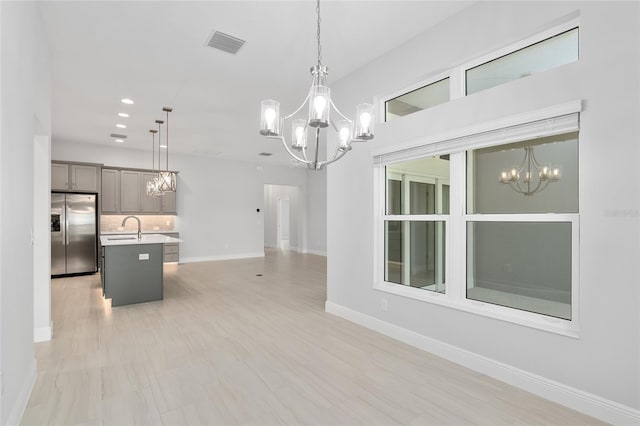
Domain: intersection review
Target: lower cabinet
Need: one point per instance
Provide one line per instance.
(171, 251)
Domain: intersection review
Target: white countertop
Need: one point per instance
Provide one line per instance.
(122, 240)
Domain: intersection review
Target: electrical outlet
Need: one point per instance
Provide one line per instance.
(507, 267)
(384, 304)
(143, 256)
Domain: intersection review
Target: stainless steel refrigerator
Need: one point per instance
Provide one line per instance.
(73, 234)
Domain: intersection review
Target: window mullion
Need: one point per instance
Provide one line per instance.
(455, 234)
(457, 83)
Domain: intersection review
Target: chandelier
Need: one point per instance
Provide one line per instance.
(318, 117)
(531, 176)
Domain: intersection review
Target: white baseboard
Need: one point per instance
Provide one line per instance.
(16, 412)
(590, 404)
(316, 252)
(309, 251)
(42, 334)
(221, 257)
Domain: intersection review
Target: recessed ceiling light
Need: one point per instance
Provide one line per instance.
(119, 140)
(123, 115)
(163, 146)
(121, 126)
(126, 101)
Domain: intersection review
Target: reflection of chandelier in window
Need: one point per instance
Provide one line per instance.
(531, 176)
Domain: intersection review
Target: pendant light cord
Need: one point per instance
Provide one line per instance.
(159, 143)
(167, 141)
(318, 35)
(153, 152)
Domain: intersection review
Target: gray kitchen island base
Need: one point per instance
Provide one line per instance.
(132, 273)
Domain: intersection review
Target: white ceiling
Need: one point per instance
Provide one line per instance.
(154, 53)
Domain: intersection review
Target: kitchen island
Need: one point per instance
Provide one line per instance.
(132, 270)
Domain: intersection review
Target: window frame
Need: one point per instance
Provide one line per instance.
(457, 74)
(456, 145)
(424, 82)
(516, 47)
(406, 219)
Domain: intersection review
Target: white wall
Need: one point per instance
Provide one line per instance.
(217, 198)
(604, 361)
(26, 112)
(272, 193)
(42, 237)
(317, 211)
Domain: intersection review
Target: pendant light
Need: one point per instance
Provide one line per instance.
(153, 189)
(167, 179)
(320, 106)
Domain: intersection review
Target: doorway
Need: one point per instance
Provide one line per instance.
(282, 224)
(282, 217)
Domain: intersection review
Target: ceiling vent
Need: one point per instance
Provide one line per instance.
(115, 135)
(266, 154)
(225, 42)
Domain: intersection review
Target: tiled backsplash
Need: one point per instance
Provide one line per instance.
(113, 223)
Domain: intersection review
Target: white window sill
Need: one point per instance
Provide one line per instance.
(502, 313)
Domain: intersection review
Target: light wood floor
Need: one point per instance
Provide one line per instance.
(229, 347)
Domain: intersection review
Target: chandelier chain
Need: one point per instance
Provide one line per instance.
(318, 34)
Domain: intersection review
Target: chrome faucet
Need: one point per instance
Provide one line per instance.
(139, 227)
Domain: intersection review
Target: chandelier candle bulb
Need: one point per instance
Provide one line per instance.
(364, 124)
(270, 118)
(299, 134)
(344, 135)
(319, 108)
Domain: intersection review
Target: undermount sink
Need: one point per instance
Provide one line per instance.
(122, 238)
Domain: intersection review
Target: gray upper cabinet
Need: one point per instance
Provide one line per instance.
(130, 190)
(75, 177)
(149, 204)
(169, 203)
(110, 191)
(124, 191)
(59, 176)
(84, 178)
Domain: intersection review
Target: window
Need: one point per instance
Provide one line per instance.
(417, 208)
(549, 49)
(542, 56)
(517, 254)
(417, 100)
(486, 222)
